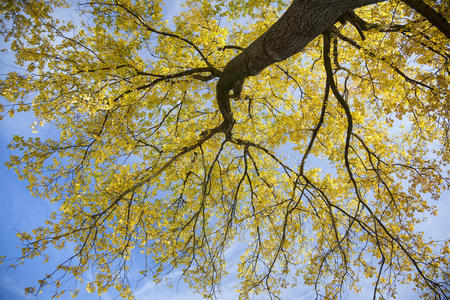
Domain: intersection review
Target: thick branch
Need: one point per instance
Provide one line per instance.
(431, 15)
(303, 21)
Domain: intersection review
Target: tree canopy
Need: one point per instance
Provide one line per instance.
(314, 133)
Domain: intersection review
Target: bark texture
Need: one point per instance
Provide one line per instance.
(303, 21)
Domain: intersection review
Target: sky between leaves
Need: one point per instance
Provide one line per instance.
(21, 212)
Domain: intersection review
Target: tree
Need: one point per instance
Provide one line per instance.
(171, 140)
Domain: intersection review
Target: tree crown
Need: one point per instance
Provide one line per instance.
(180, 139)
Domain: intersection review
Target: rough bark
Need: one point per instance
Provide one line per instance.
(303, 21)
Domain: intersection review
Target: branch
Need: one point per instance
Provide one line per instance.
(364, 25)
(431, 15)
(140, 19)
(302, 22)
(381, 58)
(203, 138)
(435, 287)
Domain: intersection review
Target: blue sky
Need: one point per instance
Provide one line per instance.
(21, 212)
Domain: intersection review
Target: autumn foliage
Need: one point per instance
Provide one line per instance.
(177, 140)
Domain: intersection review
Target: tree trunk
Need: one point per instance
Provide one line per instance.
(303, 21)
